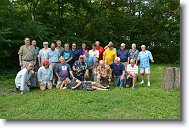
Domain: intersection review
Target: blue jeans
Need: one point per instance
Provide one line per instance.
(118, 81)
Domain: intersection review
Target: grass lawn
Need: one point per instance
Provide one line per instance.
(142, 103)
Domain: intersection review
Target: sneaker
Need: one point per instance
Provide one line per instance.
(133, 87)
(142, 82)
(127, 85)
(107, 87)
(148, 83)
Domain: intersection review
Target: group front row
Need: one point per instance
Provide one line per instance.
(79, 78)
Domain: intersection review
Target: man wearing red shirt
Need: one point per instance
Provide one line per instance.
(100, 49)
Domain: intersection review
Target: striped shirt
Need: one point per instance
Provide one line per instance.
(133, 69)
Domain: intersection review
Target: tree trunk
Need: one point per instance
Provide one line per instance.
(171, 78)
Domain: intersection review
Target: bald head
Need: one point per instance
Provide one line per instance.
(62, 60)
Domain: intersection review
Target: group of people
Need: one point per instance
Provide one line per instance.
(82, 68)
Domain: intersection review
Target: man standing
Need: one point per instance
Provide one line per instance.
(67, 54)
(119, 72)
(37, 49)
(144, 56)
(42, 56)
(100, 49)
(133, 53)
(75, 54)
(109, 54)
(82, 50)
(24, 78)
(59, 46)
(27, 54)
(53, 56)
(94, 52)
(63, 71)
(45, 76)
(123, 54)
(90, 60)
(132, 73)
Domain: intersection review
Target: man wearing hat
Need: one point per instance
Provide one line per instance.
(45, 76)
(43, 53)
(109, 54)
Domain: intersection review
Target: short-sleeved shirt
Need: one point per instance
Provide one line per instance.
(63, 70)
(75, 54)
(90, 60)
(66, 54)
(28, 54)
(145, 58)
(80, 69)
(123, 54)
(95, 53)
(117, 69)
(133, 54)
(81, 51)
(45, 75)
(101, 50)
(43, 54)
(109, 55)
(106, 70)
(53, 56)
(133, 69)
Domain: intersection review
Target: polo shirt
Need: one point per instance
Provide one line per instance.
(123, 54)
(117, 69)
(27, 54)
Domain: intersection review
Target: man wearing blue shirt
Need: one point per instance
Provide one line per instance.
(75, 53)
(67, 54)
(123, 54)
(119, 72)
(90, 60)
(145, 56)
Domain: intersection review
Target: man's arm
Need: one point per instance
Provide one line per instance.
(69, 59)
(20, 59)
(77, 85)
(71, 73)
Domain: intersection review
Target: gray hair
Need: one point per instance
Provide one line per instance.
(132, 60)
(101, 62)
(117, 58)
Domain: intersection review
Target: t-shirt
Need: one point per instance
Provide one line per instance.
(28, 54)
(123, 54)
(133, 69)
(81, 51)
(53, 56)
(109, 55)
(63, 70)
(101, 50)
(95, 53)
(73, 83)
(75, 54)
(145, 58)
(43, 54)
(80, 69)
(133, 54)
(117, 69)
(66, 54)
(90, 60)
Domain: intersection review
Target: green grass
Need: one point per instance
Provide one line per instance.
(142, 103)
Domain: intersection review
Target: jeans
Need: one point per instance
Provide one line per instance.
(118, 81)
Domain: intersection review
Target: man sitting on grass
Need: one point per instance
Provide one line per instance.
(132, 73)
(62, 71)
(24, 78)
(84, 85)
(45, 75)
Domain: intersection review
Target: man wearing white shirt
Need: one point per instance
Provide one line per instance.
(94, 52)
(132, 73)
(43, 53)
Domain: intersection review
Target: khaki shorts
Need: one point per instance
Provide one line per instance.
(43, 86)
(25, 63)
(125, 65)
(58, 85)
(145, 70)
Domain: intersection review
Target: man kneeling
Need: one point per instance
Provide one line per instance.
(84, 85)
(45, 76)
(132, 73)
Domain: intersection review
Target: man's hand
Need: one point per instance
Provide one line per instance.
(109, 80)
(152, 61)
(122, 77)
(73, 88)
(59, 78)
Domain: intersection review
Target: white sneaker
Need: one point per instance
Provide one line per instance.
(148, 83)
(142, 82)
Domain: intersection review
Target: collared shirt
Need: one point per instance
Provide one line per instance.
(123, 54)
(101, 50)
(22, 79)
(133, 69)
(117, 69)
(81, 51)
(90, 60)
(66, 54)
(37, 49)
(109, 55)
(95, 53)
(43, 54)
(106, 70)
(80, 68)
(133, 54)
(45, 75)
(27, 54)
(53, 56)
(145, 58)
(63, 70)
(75, 54)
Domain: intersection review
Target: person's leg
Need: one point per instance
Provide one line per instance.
(64, 88)
(121, 84)
(128, 81)
(142, 75)
(134, 79)
(147, 71)
(42, 86)
(95, 84)
(116, 80)
(96, 88)
(49, 85)
(53, 65)
(59, 82)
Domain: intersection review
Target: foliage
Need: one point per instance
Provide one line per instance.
(142, 103)
(155, 23)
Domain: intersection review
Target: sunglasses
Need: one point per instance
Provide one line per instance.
(81, 58)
